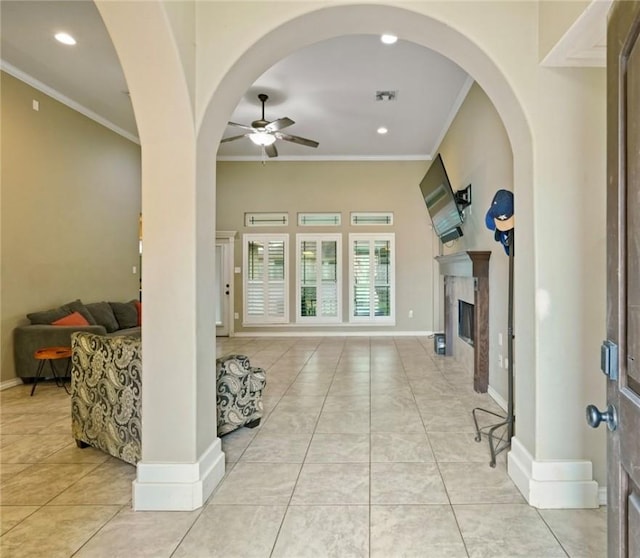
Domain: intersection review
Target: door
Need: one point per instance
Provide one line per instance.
(223, 287)
(623, 281)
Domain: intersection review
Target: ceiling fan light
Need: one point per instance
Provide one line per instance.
(262, 138)
(388, 39)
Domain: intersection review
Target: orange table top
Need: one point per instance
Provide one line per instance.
(52, 353)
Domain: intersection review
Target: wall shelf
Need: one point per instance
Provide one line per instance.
(474, 265)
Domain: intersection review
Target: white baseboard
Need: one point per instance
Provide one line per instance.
(602, 496)
(298, 333)
(552, 484)
(10, 383)
(178, 486)
(497, 398)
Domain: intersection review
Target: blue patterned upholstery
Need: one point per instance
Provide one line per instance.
(106, 388)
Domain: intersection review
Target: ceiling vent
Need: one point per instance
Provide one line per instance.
(386, 95)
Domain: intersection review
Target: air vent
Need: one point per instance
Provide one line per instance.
(386, 95)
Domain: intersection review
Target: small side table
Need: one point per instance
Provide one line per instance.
(50, 354)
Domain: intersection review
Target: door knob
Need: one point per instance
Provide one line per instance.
(595, 417)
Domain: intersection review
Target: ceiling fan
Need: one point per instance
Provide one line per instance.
(265, 133)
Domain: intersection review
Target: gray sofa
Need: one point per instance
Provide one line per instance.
(104, 318)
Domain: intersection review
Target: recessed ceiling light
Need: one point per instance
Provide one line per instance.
(388, 39)
(65, 38)
(382, 130)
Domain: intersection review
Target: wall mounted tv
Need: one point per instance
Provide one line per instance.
(444, 206)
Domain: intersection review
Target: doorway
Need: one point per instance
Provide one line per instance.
(224, 283)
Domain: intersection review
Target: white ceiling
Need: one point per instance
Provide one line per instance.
(328, 89)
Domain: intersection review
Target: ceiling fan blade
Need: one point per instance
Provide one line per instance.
(297, 139)
(232, 138)
(279, 124)
(242, 126)
(271, 150)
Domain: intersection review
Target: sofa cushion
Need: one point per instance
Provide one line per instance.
(103, 315)
(80, 308)
(125, 313)
(47, 317)
(73, 319)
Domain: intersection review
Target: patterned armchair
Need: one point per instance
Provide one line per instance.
(106, 387)
(239, 393)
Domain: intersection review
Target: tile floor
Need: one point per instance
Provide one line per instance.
(366, 450)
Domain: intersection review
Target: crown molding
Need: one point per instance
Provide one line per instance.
(464, 91)
(283, 158)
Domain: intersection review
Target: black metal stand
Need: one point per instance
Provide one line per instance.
(500, 433)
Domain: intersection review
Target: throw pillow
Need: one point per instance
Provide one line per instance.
(125, 313)
(73, 319)
(103, 315)
(80, 308)
(48, 316)
(138, 306)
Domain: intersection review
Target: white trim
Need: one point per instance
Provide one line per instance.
(602, 496)
(284, 158)
(584, 43)
(497, 398)
(225, 235)
(54, 94)
(333, 333)
(464, 91)
(13, 382)
(371, 218)
(178, 486)
(561, 484)
(372, 238)
(265, 318)
(319, 238)
(266, 219)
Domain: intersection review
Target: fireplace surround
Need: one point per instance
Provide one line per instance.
(474, 265)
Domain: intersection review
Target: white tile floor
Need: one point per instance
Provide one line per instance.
(366, 449)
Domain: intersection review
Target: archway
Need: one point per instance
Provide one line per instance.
(421, 29)
(182, 461)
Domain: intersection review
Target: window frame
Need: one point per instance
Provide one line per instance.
(319, 237)
(372, 319)
(266, 318)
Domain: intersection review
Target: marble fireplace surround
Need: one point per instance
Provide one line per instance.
(473, 265)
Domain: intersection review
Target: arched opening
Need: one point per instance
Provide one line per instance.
(420, 29)
(188, 422)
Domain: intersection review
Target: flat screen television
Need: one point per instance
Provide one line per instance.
(441, 202)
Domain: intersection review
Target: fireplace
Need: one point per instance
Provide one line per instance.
(466, 318)
(473, 265)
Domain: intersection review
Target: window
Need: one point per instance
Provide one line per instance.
(319, 265)
(371, 218)
(266, 219)
(319, 219)
(266, 269)
(372, 278)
